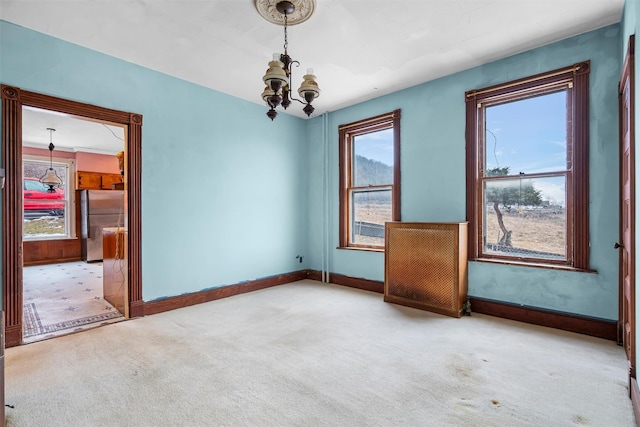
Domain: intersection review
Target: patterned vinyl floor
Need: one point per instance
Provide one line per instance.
(64, 298)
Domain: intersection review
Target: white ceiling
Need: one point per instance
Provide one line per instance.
(71, 133)
(359, 49)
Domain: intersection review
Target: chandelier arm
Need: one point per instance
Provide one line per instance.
(291, 91)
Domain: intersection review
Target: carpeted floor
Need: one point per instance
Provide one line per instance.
(63, 298)
(312, 354)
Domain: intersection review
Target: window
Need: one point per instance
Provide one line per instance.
(369, 180)
(46, 214)
(527, 170)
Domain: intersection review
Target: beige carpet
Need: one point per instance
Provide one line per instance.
(310, 354)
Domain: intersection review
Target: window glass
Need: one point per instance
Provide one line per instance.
(528, 135)
(371, 209)
(373, 158)
(526, 218)
(45, 212)
(528, 170)
(369, 180)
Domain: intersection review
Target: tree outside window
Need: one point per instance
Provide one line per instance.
(527, 160)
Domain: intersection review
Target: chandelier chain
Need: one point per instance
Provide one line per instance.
(286, 40)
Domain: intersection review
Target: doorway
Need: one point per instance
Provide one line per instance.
(63, 282)
(626, 245)
(13, 101)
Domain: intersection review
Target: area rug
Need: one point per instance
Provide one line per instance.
(34, 327)
(63, 298)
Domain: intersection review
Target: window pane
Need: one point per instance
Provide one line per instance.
(526, 218)
(45, 212)
(528, 136)
(373, 158)
(370, 210)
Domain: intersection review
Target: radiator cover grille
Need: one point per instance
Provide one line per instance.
(426, 266)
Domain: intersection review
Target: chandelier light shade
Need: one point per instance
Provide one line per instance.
(50, 177)
(277, 79)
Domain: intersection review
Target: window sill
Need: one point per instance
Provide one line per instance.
(533, 264)
(358, 248)
(41, 238)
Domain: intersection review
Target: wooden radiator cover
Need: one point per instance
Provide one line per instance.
(426, 266)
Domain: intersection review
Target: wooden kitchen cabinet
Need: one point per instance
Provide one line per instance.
(86, 180)
(109, 180)
(114, 268)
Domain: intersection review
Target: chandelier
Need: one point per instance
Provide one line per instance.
(278, 76)
(50, 177)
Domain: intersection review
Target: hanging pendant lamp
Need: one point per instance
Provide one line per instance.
(51, 178)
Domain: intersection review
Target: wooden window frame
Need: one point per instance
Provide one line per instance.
(346, 133)
(575, 79)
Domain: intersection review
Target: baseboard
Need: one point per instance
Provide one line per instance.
(567, 322)
(51, 261)
(136, 309)
(635, 398)
(352, 282)
(12, 335)
(179, 301)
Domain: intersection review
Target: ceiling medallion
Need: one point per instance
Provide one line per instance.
(303, 11)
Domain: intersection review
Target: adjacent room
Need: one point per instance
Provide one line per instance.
(66, 287)
(405, 195)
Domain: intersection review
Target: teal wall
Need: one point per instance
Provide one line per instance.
(222, 196)
(266, 192)
(433, 176)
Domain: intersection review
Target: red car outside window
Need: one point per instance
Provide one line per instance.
(38, 199)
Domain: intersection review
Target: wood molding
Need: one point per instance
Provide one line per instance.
(567, 322)
(634, 393)
(12, 213)
(179, 301)
(13, 99)
(133, 188)
(12, 335)
(352, 282)
(37, 252)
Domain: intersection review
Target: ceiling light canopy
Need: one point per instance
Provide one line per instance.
(278, 76)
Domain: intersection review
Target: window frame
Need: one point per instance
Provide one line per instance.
(575, 80)
(347, 133)
(69, 196)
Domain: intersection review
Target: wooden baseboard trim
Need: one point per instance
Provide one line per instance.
(12, 335)
(566, 322)
(51, 261)
(136, 309)
(179, 301)
(352, 282)
(634, 391)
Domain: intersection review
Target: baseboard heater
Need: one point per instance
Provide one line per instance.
(426, 266)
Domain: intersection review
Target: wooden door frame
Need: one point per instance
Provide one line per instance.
(13, 99)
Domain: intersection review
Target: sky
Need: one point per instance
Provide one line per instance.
(376, 146)
(527, 136)
(530, 136)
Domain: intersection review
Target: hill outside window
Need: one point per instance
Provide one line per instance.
(527, 170)
(369, 180)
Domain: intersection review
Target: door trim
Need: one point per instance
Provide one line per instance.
(13, 99)
(627, 77)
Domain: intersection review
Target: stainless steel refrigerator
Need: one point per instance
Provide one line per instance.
(99, 209)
